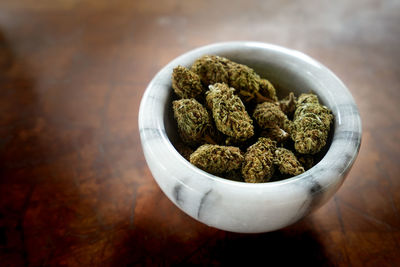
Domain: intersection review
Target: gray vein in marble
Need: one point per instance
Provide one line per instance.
(202, 203)
(314, 196)
(314, 188)
(176, 194)
(342, 168)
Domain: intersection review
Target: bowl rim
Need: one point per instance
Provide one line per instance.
(153, 126)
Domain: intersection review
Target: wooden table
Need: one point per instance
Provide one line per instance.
(75, 189)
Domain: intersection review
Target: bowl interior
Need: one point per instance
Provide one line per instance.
(284, 79)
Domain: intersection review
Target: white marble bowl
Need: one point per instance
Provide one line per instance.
(242, 207)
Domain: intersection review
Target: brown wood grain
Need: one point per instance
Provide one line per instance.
(75, 189)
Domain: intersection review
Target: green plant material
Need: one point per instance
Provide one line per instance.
(193, 120)
(307, 98)
(269, 115)
(249, 85)
(229, 113)
(322, 112)
(288, 104)
(287, 162)
(268, 90)
(186, 84)
(275, 134)
(217, 159)
(258, 162)
(233, 88)
(311, 125)
(212, 69)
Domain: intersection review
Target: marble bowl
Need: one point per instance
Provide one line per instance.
(237, 206)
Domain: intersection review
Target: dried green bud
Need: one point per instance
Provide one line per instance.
(186, 83)
(244, 80)
(310, 134)
(212, 69)
(287, 162)
(311, 125)
(275, 134)
(249, 85)
(268, 90)
(288, 104)
(229, 113)
(258, 164)
(193, 120)
(269, 115)
(307, 98)
(217, 159)
(323, 113)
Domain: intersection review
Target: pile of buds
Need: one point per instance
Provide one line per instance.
(232, 124)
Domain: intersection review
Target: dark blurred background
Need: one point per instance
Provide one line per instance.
(74, 186)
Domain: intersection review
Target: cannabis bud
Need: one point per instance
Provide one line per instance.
(217, 159)
(212, 122)
(229, 113)
(311, 124)
(212, 69)
(307, 98)
(249, 85)
(186, 83)
(287, 162)
(275, 134)
(258, 162)
(270, 117)
(266, 89)
(288, 104)
(193, 120)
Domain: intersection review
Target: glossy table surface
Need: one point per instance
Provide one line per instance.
(75, 189)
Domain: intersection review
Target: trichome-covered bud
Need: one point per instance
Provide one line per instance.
(311, 125)
(287, 162)
(275, 134)
(307, 98)
(267, 90)
(249, 85)
(186, 84)
(323, 113)
(229, 113)
(269, 115)
(211, 69)
(217, 159)
(288, 104)
(193, 121)
(258, 162)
